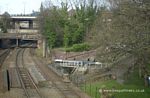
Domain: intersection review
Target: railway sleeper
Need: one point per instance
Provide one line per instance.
(26, 80)
(28, 84)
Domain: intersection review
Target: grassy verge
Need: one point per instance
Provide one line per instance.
(132, 88)
(39, 52)
(78, 48)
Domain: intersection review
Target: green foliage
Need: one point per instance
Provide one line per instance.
(5, 22)
(78, 48)
(52, 39)
(69, 29)
(49, 33)
(78, 34)
(2, 27)
(93, 89)
(66, 36)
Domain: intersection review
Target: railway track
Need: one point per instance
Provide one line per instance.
(64, 88)
(3, 80)
(3, 56)
(27, 83)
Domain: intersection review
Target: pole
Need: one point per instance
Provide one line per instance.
(44, 47)
(24, 9)
(90, 90)
(17, 42)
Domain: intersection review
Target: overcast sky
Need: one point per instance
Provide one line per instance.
(25, 6)
(19, 6)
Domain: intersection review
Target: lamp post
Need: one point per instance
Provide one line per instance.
(17, 40)
(24, 9)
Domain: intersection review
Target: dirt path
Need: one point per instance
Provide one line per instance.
(57, 54)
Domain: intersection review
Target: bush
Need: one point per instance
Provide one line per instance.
(79, 48)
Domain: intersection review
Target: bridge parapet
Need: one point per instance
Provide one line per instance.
(24, 36)
(23, 31)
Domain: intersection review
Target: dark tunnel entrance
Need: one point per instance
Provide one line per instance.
(12, 43)
(28, 43)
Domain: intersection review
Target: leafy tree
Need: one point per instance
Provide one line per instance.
(66, 36)
(124, 30)
(78, 34)
(52, 39)
(5, 22)
(70, 27)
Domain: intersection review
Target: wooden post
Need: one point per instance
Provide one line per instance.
(146, 80)
(44, 48)
(140, 71)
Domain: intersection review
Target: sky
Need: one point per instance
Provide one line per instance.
(25, 6)
(20, 6)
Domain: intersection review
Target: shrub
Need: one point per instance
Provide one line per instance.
(78, 48)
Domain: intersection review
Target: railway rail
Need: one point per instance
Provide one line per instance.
(3, 56)
(64, 88)
(27, 83)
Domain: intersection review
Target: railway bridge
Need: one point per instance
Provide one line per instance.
(73, 66)
(23, 33)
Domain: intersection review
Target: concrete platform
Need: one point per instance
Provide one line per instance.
(14, 79)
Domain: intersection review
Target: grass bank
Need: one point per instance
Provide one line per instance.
(132, 88)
